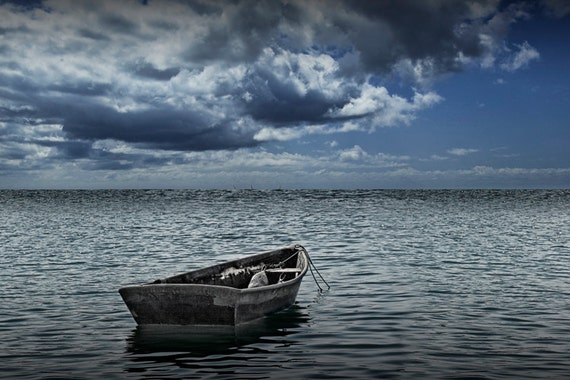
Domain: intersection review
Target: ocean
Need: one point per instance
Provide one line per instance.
(447, 284)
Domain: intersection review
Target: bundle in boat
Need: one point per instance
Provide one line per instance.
(230, 293)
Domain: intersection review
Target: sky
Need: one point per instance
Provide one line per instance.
(285, 94)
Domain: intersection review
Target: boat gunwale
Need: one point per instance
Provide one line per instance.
(297, 278)
(224, 287)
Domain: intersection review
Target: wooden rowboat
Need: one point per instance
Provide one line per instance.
(230, 293)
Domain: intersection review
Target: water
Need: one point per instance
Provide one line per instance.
(424, 284)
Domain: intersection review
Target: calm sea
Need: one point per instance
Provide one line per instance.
(424, 284)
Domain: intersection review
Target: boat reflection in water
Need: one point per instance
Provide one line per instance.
(244, 350)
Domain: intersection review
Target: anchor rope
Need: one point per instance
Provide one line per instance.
(287, 259)
(311, 266)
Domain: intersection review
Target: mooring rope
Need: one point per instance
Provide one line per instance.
(281, 263)
(311, 266)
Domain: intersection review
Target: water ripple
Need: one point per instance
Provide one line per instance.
(425, 284)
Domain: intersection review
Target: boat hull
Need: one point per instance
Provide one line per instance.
(183, 303)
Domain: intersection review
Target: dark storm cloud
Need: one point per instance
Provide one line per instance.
(147, 70)
(81, 88)
(93, 35)
(207, 75)
(118, 24)
(277, 107)
(242, 30)
(23, 5)
(164, 128)
(412, 29)
(275, 100)
(382, 32)
(69, 149)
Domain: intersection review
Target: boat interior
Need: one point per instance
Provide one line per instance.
(274, 268)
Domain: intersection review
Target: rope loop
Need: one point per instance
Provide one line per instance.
(312, 266)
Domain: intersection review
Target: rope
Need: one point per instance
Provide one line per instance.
(281, 263)
(311, 266)
(315, 279)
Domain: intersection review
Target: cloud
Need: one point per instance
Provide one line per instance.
(386, 109)
(461, 151)
(357, 157)
(286, 87)
(285, 134)
(243, 168)
(521, 58)
(557, 8)
(495, 49)
(201, 75)
(434, 157)
(356, 153)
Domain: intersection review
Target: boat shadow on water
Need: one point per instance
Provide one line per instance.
(153, 346)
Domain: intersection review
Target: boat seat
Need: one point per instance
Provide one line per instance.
(284, 270)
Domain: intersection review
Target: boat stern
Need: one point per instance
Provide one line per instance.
(180, 304)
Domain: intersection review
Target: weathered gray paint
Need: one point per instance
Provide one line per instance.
(218, 295)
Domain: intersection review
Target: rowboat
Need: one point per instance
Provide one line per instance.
(230, 293)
